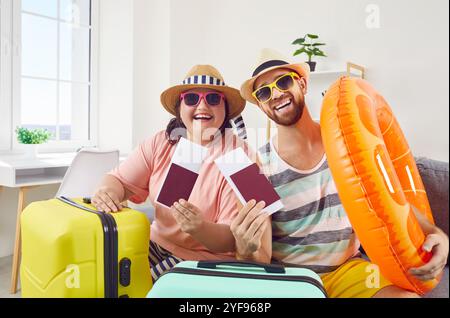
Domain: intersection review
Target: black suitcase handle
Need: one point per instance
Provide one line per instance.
(269, 268)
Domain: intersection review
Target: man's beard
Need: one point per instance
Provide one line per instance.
(292, 117)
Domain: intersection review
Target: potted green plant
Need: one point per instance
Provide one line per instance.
(31, 138)
(310, 48)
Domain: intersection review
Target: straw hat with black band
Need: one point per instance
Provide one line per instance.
(204, 76)
(270, 60)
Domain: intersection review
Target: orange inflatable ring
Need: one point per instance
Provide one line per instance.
(377, 179)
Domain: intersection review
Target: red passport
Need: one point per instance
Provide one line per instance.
(247, 181)
(178, 185)
(254, 185)
(182, 173)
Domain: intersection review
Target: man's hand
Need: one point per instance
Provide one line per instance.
(248, 228)
(187, 216)
(437, 243)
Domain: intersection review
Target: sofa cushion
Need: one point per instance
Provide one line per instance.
(441, 290)
(435, 179)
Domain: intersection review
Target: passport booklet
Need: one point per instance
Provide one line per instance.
(245, 179)
(182, 174)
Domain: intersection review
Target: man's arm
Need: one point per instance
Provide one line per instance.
(427, 226)
(252, 231)
(436, 242)
(264, 253)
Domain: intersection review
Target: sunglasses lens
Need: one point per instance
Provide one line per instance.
(285, 82)
(213, 99)
(263, 94)
(191, 99)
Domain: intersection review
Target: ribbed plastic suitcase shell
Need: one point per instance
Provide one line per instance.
(63, 252)
(187, 280)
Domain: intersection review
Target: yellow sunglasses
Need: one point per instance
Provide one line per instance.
(283, 84)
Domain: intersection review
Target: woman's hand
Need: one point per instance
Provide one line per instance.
(248, 228)
(188, 216)
(106, 200)
(437, 243)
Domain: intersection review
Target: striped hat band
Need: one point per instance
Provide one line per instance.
(204, 80)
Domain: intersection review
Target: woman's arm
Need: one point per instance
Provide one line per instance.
(216, 237)
(129, 179)
(225, 241)
(248, 240)
(110, 195)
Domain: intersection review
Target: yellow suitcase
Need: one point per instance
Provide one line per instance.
(70, 250)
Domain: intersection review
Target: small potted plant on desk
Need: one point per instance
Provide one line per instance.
(31, 138)
(309, 48)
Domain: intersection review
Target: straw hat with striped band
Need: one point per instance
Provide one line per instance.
(204, 76)
(269, 60)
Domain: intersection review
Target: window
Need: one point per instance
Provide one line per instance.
(53, 70)
(5, 74)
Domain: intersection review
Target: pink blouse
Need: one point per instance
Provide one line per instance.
(143, 173)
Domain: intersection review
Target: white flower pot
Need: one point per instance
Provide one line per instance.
(31, 151)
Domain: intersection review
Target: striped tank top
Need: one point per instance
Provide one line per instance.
(312, 230)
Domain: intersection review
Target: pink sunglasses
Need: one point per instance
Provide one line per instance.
(193, 99)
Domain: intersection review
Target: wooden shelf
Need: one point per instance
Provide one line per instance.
(28, 181)
(17, 171)
(328, 72)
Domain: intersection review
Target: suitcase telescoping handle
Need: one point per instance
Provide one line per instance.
(269, 268)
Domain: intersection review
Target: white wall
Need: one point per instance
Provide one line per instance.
(151, 66)
(406, 58)
(134, 70)
(148, 45)
(116, 69)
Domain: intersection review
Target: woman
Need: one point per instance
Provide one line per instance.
(198, 229)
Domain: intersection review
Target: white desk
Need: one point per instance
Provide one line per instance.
(22, 173)
(16, 171)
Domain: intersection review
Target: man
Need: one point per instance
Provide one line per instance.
(312, 230)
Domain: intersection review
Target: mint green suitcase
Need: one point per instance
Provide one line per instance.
(237, 279)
